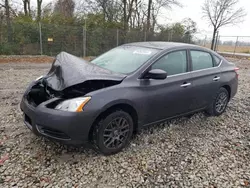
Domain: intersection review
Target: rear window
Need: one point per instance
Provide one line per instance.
(201, 60)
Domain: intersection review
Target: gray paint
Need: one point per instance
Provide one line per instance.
(153, 100)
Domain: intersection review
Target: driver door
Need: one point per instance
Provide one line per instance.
(172, 96)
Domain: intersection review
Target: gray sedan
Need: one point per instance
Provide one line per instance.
(105, 101)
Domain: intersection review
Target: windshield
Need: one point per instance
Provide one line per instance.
(124, 59)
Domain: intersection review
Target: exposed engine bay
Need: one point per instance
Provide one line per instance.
(71, 77)
(40, 92)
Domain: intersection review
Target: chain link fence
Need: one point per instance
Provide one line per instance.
(233, 44)
(51, 39)
(202, 40)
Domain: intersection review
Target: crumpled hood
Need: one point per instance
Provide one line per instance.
(68, 70)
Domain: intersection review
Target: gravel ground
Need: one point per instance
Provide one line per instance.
(187, 152)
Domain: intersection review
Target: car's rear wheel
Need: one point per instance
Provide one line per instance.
(219, 103)
(112, 133)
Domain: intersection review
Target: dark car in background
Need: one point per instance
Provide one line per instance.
(105, 101)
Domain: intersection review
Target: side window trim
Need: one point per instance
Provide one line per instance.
(215, 65)
(189, 62)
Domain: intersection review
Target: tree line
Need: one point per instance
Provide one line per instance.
(133, 19)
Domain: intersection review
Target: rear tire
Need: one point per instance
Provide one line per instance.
(112, 133)
(219, 103)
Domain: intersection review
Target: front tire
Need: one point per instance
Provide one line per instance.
(219, 103)
(112, 133)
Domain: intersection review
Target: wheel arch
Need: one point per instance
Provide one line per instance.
(228, 88)
(126, 107)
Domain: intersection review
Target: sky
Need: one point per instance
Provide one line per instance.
(192, 9)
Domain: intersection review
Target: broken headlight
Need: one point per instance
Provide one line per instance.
(73, 105)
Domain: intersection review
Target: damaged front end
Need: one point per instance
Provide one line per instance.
(70, 77)
(41, 92)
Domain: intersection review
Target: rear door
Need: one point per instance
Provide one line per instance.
(206, 77)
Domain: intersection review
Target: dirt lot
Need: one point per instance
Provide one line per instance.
(187, 152)
(228, 48)
(239, 49)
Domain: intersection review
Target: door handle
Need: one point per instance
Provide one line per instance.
(186, 85)
(216, 78)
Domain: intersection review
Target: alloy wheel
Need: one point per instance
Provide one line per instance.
(221, 102)
(116, 133)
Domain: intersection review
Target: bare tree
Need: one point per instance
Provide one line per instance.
(154, 8)
(149, 14)
(124, 15)
(190, 25)
(39, 9)
(110, 9)
(84, 7)
(26, 7)
(137, 15)
(65, 8)
(127, 7)
(12, 9)
(222, 12)
(7, 13)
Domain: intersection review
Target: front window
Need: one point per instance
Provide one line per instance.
(124, 59)
(173, 63)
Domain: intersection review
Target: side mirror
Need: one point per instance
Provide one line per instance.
(156, 74)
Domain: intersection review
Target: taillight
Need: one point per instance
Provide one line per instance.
(236, 71)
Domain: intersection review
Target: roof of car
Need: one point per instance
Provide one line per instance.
(160, 45)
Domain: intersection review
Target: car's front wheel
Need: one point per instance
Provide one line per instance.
(112, 133)
(219, 103)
